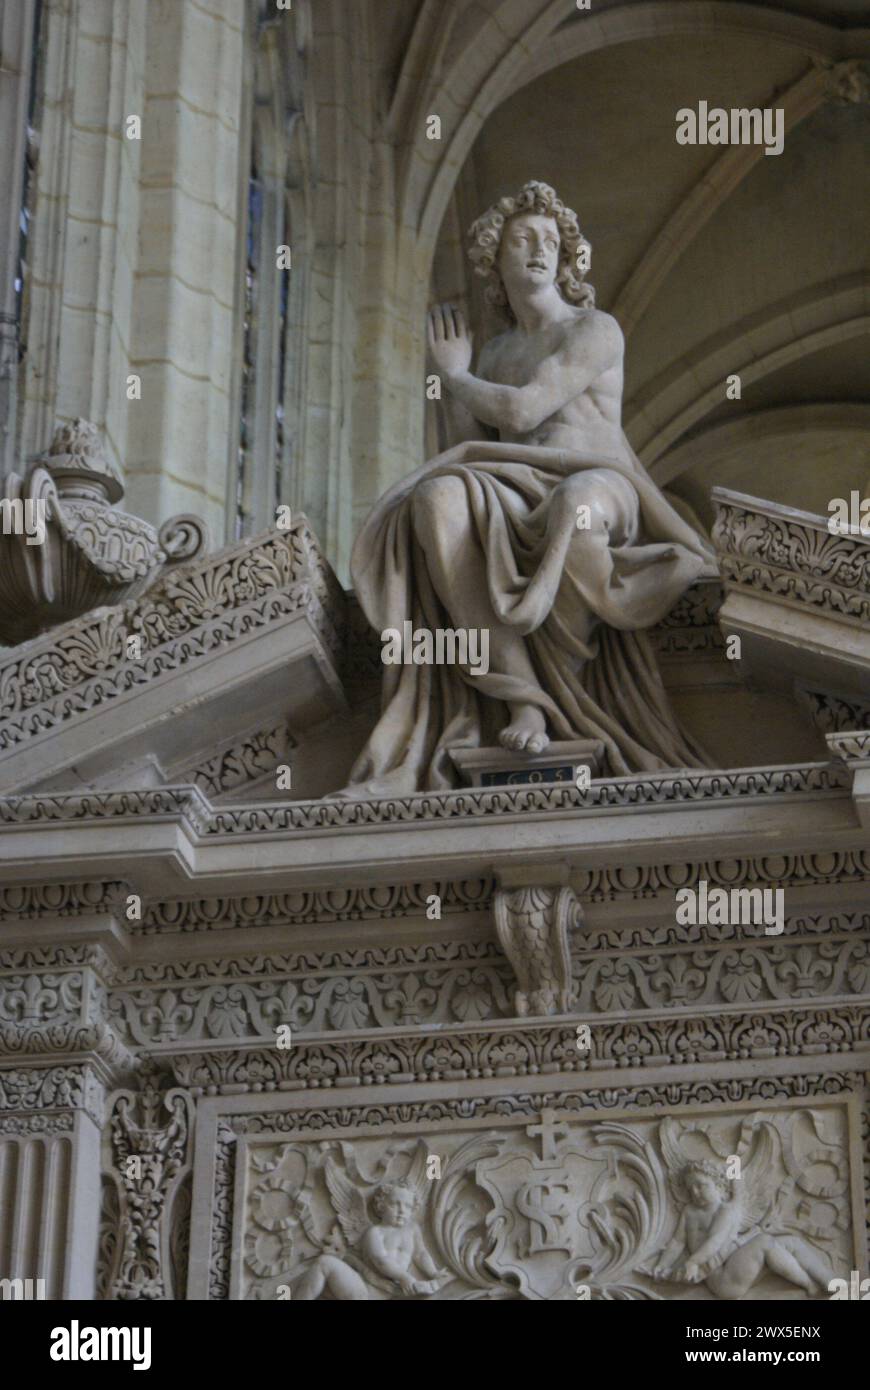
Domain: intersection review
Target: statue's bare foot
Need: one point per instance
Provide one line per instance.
(527, 731)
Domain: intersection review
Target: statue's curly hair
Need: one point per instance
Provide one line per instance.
(485, 238)
(385, 1190)
(710, 1170)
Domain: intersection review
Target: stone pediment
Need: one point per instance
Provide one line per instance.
(204, 678)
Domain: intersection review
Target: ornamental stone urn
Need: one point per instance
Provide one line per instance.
(64, 546)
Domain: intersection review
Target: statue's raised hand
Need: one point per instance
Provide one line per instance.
(449, 340)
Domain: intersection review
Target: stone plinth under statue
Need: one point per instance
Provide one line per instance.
(558, 762)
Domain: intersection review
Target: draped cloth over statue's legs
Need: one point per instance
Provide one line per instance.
(486, 535)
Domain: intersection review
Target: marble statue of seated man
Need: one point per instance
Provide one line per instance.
(539, 527)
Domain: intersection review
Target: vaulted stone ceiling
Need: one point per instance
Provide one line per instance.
(766, 276)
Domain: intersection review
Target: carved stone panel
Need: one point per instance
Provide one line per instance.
(744, 1202)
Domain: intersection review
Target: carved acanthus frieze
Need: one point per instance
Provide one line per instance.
(804, 1028)
(28, 1088)
(652, 965)
(242, 999)
(243, 1010)
(792, 555)
(229, 1000)
(756, 973)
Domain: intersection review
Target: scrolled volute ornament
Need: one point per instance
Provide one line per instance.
(183, 537)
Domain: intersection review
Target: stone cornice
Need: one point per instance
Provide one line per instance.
(309, 817)
(164, 841)
(332, 1116)
(620, 885)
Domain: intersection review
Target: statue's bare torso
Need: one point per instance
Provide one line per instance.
(590, 420)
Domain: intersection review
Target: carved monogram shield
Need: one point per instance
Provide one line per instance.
(540, 1235)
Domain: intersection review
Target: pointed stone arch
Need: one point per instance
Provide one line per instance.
(523, 40)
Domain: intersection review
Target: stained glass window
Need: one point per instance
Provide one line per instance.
(246, 461)
(28, 188)
(283, 319)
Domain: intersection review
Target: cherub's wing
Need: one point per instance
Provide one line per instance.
(760, 1181)
(675, 1159)
(416, 1174)
(348, 1201)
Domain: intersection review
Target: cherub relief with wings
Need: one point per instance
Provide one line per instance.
(729, 1232)
(387, 1253)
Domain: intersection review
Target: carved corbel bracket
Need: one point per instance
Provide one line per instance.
(532, 925)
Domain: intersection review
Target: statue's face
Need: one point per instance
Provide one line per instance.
(528, 256)
(703, 1190)
(397, 1208)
